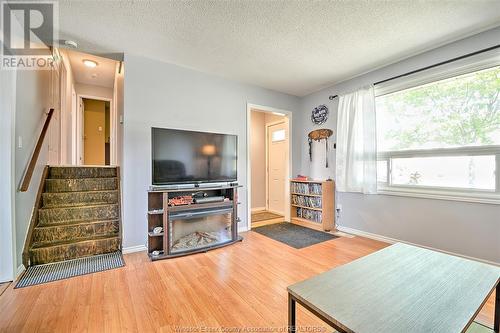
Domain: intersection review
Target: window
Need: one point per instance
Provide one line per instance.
(278, 135)
(441, 138)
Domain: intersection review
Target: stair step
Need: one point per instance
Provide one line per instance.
(65, 215)
(64, 172)
(74, 232)
(72, 250)
(65, 199)
(80, 185)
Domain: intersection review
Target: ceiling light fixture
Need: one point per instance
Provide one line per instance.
(71, 44)
(89, 63)
(278, 113)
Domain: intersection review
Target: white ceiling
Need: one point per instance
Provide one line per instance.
(103, 75)
(296, 47)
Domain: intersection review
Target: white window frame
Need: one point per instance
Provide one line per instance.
(464, 66)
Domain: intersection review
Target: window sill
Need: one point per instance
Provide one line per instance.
(493, 199)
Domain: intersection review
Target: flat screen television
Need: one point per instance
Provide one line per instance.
(185, 157)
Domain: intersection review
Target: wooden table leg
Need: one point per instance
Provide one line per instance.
(496, 326)
(291, 314)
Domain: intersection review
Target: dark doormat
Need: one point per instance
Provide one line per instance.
(65, 269)
(293, 235)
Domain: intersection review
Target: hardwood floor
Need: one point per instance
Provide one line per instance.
(243, 285)
(3, 287)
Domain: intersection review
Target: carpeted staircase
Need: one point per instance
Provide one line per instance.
(79, 214)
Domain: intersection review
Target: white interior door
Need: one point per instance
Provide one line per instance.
(277, 160)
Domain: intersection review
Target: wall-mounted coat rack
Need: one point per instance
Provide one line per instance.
(318, 135)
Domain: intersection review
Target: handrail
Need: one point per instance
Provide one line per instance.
(34, 157)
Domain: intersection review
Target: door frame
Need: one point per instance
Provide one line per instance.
(64, 118)
(78, 130)
(288, 115)
(287, 171)
(74, 134)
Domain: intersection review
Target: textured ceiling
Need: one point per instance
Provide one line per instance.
(103, 75)
(296, 47)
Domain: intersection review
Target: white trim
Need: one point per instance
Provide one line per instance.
(474, 197)
(394, 240)
(63, 114)
(243, 229)
(257, 209)
(113, 125)
(288, 115)
(113, 128)
(133, 249)
(74, 133)
(440, 152)
(20, 270)
(276, 212)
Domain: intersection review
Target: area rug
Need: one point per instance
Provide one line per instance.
(293, 235)
(65, 269)
(264, 215)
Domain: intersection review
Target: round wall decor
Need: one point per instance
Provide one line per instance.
(319, 115)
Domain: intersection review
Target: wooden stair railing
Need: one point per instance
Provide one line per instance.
(34, 157)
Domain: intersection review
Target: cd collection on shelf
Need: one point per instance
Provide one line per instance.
(300, 200)
(306, 188)
(311, 215)
(312, 203)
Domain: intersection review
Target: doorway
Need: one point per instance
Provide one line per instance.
(93, 103)
(269, 164)
(96, 131)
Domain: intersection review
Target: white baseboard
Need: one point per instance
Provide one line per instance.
(20, 270)
(257, 209)
(276, 212)
(132, 249)
(394, 240)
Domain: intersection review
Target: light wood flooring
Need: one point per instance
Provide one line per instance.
(3, 287)
(242, 285)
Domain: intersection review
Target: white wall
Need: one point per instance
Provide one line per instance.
(32, 101)
(24, 99)
(7, 123)
(164, 95)
(94, 91)
(470, 229)
(258, 159)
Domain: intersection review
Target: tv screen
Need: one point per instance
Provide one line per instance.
(181, 157)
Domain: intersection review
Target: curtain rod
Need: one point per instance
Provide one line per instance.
(331, 97)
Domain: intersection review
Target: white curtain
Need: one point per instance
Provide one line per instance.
(356, 157)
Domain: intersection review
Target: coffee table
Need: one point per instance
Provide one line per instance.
(401, 288)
